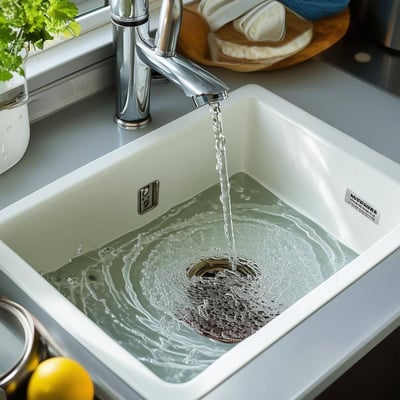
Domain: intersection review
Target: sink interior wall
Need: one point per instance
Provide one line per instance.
(88, 209)
(303, 161)
(97, 203)
(312, 168)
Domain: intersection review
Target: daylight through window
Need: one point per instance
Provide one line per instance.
(86, 6)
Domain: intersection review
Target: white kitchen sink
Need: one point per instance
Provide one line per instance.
(348, 189)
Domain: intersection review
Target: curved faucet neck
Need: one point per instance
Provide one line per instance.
(169, 26)
(136, 53)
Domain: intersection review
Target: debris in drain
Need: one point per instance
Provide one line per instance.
(227, 305)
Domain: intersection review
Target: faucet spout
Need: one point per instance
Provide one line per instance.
(137, 53)
(193, 80)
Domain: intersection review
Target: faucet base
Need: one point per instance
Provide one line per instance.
(132, 125)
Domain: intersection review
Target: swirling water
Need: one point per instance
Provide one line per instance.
(136, 288)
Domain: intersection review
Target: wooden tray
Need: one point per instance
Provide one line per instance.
(193, 42)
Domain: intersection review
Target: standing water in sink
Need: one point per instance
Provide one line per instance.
(163, 294)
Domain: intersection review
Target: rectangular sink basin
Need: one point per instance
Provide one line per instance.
(349, 190)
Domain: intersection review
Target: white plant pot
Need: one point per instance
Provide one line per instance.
(14, 121)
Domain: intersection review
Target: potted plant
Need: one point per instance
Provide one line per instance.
(24, 25)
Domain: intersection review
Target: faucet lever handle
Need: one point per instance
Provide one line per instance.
(169, 26)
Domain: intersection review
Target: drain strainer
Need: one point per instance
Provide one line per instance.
(227, 305)
(209, 267)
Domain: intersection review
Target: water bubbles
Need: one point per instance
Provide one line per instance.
(4, 152)
(239, 189)
(79, 250)
(227, 305)
(73, 282)
(108, 254)
(138, 290)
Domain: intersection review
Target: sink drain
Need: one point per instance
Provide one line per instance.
(227, 305)
(209, 267)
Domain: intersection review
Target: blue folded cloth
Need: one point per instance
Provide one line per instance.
(316, 9)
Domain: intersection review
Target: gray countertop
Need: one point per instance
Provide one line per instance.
(310, 357)
(85, 131)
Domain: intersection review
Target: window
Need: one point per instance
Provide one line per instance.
(56, 75)
(86, 6)
(68, 70)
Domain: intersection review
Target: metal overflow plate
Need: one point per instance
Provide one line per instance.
(148, 197)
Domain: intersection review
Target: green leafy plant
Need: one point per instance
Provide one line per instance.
(27, 24)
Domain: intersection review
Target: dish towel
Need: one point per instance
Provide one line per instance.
(265, 21)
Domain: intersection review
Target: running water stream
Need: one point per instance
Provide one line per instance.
(222, 168)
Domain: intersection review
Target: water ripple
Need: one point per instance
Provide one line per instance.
(137, 288)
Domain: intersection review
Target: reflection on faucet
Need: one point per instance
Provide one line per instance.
(137, 53)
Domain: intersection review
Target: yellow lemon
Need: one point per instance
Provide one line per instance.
(60, 378)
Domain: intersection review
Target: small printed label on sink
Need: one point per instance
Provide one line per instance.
(362, 206)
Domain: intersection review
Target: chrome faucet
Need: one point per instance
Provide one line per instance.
(137, 53)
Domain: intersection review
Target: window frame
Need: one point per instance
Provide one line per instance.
(84, 8)
(62, 57)
(68, 70)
